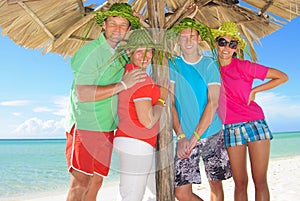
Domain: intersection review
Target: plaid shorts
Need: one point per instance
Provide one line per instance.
(215, 160)
(245, 132)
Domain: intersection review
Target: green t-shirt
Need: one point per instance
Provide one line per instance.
(93, 65)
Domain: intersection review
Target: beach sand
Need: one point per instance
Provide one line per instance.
(283, 179)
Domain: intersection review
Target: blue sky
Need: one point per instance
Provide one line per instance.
(34, 87)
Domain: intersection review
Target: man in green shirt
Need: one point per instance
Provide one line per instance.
(98, 78)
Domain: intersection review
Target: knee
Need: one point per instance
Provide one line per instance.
(97, 181)
(80, 184)
(182, 195)
(80, 181)
(260, 183)
(241, 183)
(216, 186)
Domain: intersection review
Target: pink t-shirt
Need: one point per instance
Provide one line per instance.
(237, 80)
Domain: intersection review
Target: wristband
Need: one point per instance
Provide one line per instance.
(162, 101)
(124, 85)
(197, 135)
(180, 136)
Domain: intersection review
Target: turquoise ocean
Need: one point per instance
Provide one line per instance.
(38, 166)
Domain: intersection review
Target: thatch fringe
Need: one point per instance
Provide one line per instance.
(59, 26)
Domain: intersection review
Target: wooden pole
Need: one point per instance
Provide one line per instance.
(165, 147)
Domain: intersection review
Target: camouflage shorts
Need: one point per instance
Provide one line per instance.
(215, 159)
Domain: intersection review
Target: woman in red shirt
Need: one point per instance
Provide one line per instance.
(139, 110)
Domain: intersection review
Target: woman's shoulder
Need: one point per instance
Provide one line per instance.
(242, 64)
(246, 64)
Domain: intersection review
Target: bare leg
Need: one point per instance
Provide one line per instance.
(185, 193)
(237, 157)
(78, 186)
(259, 152)
(216, 191)
(94, 186)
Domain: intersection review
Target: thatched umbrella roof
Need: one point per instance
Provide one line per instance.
(64, 26)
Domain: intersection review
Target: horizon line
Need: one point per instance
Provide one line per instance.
(59, 138)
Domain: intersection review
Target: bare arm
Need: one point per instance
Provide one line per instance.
(276, 77)
(183, 143)
(88, 93)
(147, 114)
(208, 113)
(175, 119)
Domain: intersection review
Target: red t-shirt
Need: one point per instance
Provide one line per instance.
(129, 125)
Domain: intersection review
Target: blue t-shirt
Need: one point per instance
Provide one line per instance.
(191, 92)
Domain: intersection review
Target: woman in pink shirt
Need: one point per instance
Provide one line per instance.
(244, 120)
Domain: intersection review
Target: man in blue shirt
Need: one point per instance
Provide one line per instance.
(196, 83)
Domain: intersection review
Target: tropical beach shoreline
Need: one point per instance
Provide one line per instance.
(283, 177)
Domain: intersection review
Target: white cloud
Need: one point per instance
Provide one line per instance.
(42, 109)
(276, 105)
(15, 103)
(282, 112)
(38, 128)
(59, 107)
(44, 120)
(17, 113)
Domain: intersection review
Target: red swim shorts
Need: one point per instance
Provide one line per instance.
(89, 152)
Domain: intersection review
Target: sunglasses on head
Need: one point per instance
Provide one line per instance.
(222, 42)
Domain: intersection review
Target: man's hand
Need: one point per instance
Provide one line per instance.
(193, 142)
(133, 77)
(164, 89)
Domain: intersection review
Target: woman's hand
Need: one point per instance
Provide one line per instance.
(251, 96)
(183, 148)
(276, 78)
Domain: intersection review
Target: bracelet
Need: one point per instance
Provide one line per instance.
(180, 136)
(197, 135)
(124, 85)
(162, 101)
